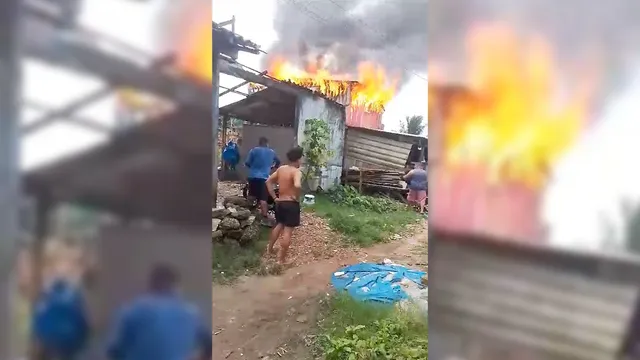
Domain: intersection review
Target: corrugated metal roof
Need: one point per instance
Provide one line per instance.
(372, 150)
(502, 302)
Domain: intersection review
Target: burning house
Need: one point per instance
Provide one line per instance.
(364, 100)
(518, 296)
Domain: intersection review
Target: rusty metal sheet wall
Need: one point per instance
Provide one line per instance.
(525, 310)
(369, 151)
(360, 118)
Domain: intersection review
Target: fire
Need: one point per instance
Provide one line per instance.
(372, 91)
(194, 52)
(511, 123)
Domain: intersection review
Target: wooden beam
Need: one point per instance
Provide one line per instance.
(83, 101)
(228, 90)
(235, 70)
(80, 55)
(233, 88)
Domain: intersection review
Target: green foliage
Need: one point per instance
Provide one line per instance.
(349, 196)
(363, 220)
(231, 261)
(360, 331)
(413, 125)
(317, 135)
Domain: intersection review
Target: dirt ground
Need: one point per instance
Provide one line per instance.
(272, 317)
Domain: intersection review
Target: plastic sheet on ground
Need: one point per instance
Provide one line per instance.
(384, 283)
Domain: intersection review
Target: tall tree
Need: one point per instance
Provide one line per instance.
(413, 125)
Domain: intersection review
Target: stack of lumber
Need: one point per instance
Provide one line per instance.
(369, 178)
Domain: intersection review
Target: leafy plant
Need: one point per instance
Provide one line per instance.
(363, 220)
(316, 147)
(413, 125)
(349, 196)
(362, 331)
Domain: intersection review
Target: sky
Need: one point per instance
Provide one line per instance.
(254, 21)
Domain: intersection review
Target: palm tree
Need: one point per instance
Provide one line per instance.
(413, 125)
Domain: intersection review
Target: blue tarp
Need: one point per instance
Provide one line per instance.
(373, 282)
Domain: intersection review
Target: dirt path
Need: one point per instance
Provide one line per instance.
(260, 316)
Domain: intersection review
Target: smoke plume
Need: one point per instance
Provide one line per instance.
(343, 33)
(578, 29)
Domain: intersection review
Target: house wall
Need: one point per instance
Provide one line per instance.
(281, 139)
(315, 107)
(377, 149)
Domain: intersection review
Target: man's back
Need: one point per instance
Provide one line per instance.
(259, 161)
(287, 178)
(160, 328)
(418, 179)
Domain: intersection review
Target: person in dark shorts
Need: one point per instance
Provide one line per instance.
(289, 181)
(260, 160)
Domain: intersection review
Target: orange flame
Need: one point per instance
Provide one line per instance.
(510, 124)
(195, 49)
(372, 91)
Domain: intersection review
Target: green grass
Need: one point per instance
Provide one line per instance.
(233, 261)
(360, 225)
(352, 330)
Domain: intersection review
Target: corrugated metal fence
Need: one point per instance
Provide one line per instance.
(375, 149)
(489, 306)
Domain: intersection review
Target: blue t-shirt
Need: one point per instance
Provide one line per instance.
(159, 327)
(259, 161)
(418, 180)
(60, 323)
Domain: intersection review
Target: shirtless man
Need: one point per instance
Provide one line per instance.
(289, 180)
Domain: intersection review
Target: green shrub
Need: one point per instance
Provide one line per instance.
(354, 330)
(349, 196)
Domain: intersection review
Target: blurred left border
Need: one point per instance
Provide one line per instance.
(106, 177)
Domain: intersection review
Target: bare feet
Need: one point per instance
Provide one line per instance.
(272, 251)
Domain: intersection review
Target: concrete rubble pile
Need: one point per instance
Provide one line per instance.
(235, 222)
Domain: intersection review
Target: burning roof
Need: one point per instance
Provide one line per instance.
(372, 91)
(512, 121)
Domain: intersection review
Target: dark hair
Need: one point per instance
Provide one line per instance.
(163, 277)
(295, 154)
(263, 141)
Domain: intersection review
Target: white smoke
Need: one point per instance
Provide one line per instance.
(584, 200)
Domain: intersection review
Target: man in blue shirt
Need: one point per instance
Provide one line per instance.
(60, 325)
(260, 160)
(160, 325)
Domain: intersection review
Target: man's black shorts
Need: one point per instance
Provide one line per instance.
(288, 213)
(258, 189)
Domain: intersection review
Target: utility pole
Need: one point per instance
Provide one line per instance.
(215, 114)
(10, 93)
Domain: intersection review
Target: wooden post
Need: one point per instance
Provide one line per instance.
(225, 123)
(360, 180)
